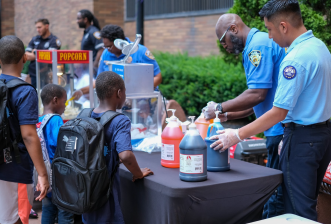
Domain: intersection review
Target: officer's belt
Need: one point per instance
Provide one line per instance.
(292, 124)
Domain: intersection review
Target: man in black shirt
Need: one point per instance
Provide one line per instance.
(44, 41)
(91, 39)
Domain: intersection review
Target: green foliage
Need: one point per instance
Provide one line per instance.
(316, 15)
(193, 81)
(26, 68)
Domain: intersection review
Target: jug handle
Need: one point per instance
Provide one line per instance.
(210, 128)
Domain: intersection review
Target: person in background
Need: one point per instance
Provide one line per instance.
(301, 103)
(109, 34)
(261, 60)
(16, 184)
(110, 89)
(91, 39)
(44, 41)
(53, 98)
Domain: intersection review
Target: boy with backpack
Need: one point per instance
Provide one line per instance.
(53, 98)
(106, 141)
(20, 146)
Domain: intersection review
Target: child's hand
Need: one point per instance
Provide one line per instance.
(145, 172)
(42, 186)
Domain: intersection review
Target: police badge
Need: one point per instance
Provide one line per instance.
(255, 57)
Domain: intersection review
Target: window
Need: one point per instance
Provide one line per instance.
(159, 9)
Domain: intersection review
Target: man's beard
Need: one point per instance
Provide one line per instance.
(81, 25)
(238, 44)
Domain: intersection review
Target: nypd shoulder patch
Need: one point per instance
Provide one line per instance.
(149, 55)
(255, 57)
(289, 72)
(97, 35)
(58, 42)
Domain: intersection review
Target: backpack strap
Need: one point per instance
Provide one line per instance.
(108, 116)
(46, 119)
(86, 112)
(12, 84)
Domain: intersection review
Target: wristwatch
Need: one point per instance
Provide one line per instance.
(219, 108)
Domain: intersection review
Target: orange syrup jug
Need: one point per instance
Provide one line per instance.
(202, 125)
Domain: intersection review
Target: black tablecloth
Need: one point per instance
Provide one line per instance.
(235, 196)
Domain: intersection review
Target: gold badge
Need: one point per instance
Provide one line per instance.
(97, 35)
(149, 55)
(129, 60)
(286, 49)
(255, 57)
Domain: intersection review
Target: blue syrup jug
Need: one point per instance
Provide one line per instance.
(193, 155)
(216, 160)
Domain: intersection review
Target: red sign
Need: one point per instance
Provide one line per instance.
(327, 176)
(44, 56)
(70, 57)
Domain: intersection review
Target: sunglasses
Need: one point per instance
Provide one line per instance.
(224, 34)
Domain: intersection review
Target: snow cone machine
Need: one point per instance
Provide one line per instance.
(70, 69)
(143, 105)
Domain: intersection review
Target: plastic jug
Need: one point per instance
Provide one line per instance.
(216, 160)
(171, 137)
(202, 125)
(193, 156)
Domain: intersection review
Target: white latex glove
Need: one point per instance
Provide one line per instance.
(209, 110)
(223, 117)
(226, 139)
(78, 94)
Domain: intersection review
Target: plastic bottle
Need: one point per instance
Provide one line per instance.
(171, 137)
(202, 125)
(193, 156)
(216, 160)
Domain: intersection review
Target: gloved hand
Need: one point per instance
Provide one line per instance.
(78, 94)
(223, 117)
(209, 110)
(226, 139)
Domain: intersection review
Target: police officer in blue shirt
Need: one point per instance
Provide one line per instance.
(261, 59)
(110, 33)
(302, 104)
(91, 39)
(44, 41)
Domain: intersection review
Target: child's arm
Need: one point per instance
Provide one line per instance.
(32, 143)
(130, 162)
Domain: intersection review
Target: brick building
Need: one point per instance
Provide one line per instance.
(170, 25)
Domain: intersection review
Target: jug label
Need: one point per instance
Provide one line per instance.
(191, 164)
(168, 152)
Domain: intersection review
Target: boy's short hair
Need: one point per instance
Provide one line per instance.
(289, 8)
(43, 21)
(11, 50)
(50, 91)
(107, 84)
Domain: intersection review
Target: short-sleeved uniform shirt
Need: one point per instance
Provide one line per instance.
(304, 86)
(92, 40)
(37, 42)
(261, 59)
(143, 55)
(22, 110)
(117, 140)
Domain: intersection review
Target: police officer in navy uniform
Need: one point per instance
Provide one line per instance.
(44, 41)
(110, 33)
(301, 103)
(261, 60)
(91, 39)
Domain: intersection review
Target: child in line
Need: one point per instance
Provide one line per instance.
(53, 98)
(16, 184)
(110, 89)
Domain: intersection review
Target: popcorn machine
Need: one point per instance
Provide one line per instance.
(71, 70)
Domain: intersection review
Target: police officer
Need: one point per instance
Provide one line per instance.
(91, 39)
(261, 59)
(44, 41)
(301, 103)
(110, 33)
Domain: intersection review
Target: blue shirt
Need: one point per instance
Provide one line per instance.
(143, 55)
(261, 59)
(23, 110)
(92, 40)
(117, 140)
(304, 85)
(51, 131)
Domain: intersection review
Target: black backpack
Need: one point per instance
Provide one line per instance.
(8, 144)
(80, 180)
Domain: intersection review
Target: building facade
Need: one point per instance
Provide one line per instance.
(170, 25)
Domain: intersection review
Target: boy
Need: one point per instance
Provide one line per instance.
(22, 103)
(53, 98)
(110, 90)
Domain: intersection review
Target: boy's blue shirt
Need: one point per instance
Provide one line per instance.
(117, 140)
(23, 110)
